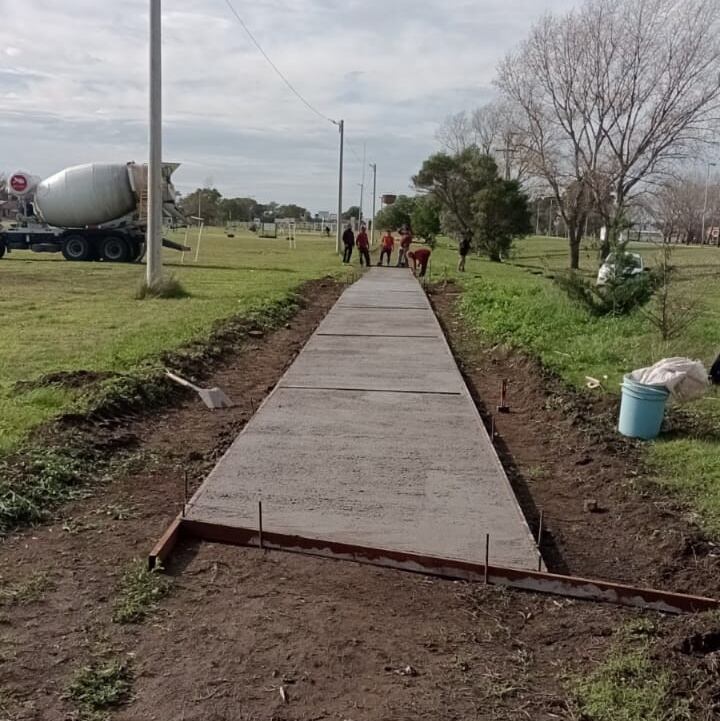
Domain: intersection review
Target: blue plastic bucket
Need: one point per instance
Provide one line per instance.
(642, 408)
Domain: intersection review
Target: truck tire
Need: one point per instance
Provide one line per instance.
(77, 247)
(115, 249)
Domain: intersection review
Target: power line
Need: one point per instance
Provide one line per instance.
(307, 104)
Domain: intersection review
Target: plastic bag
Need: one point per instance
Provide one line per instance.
(686, 379)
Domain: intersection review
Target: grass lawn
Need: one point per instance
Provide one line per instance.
(517, 303)
(62, 316)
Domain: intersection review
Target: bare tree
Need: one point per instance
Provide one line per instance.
(546, 81)
(612, 95)
(456, 133)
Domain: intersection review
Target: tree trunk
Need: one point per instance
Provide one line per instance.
(574, 248)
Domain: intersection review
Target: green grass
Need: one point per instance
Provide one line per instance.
(62, 316)
(517, 303)
(101, 686)
(139, 593)
(629, 686)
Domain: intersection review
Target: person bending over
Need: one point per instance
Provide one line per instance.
(419, 258)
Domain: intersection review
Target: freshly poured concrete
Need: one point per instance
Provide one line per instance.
(371, 438)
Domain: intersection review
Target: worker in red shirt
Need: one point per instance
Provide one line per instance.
(363, 245)
(420, 256)
(405, 242)
(388, 245)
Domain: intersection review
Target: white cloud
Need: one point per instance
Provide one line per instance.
(74, 85)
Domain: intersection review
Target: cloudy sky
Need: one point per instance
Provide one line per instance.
(73, 86)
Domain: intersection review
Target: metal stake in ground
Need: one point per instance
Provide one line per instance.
(539, 539)
(503, 407)
(487, 556)
(260, 528)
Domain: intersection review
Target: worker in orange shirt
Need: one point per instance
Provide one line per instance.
(387, 247)
(420, 257)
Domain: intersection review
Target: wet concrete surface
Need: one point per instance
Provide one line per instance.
(371, 437)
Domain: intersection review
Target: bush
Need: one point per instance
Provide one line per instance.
(619, 296)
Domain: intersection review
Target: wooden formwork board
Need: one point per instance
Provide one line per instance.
(536, 581)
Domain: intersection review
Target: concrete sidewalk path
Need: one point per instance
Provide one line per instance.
(372, 438)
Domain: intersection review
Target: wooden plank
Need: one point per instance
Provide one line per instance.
(536, 581)
(164, 547)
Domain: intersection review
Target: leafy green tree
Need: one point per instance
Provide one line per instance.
(501, 215)
(475, 200)
(204, 203)
(393, 217)
(425, 219)
(352, 212)
(242, 209)
(292, 211)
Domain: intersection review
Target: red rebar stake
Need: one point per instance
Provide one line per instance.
(503, 407)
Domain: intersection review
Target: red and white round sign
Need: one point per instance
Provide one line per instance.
(19, 183)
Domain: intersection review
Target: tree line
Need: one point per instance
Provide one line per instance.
(210, 205)
(601, 109)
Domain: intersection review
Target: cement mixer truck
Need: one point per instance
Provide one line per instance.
(96, 211)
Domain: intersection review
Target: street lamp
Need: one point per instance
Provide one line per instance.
(707, 181)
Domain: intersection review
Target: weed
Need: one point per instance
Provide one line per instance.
(101, 686)
(40, 481)
(26, 592)
(166, 288)
(629, 686)
(140, 591)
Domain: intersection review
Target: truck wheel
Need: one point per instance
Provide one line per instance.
(77, 247)
(115, 250)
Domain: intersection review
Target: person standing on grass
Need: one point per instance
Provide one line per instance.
(363, 244)
(464, 249)
(388, 245)
(405, 242)
(348, 240)
(420, 257)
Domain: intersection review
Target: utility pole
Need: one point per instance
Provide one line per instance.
(338, 239)
(154, 219)
(506, 151)
(362, 194)
(372, 229)
(707, 181)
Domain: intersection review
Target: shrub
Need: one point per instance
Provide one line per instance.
(619, 296)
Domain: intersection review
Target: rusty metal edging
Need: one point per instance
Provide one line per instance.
(536, 581)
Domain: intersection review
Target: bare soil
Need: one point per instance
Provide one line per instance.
(245, 635)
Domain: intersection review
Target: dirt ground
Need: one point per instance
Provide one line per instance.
(341, 641)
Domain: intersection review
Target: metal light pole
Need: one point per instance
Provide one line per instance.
(707, 180)
(372, 229)
(338, 239)
(360, 207)
(154, 219)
